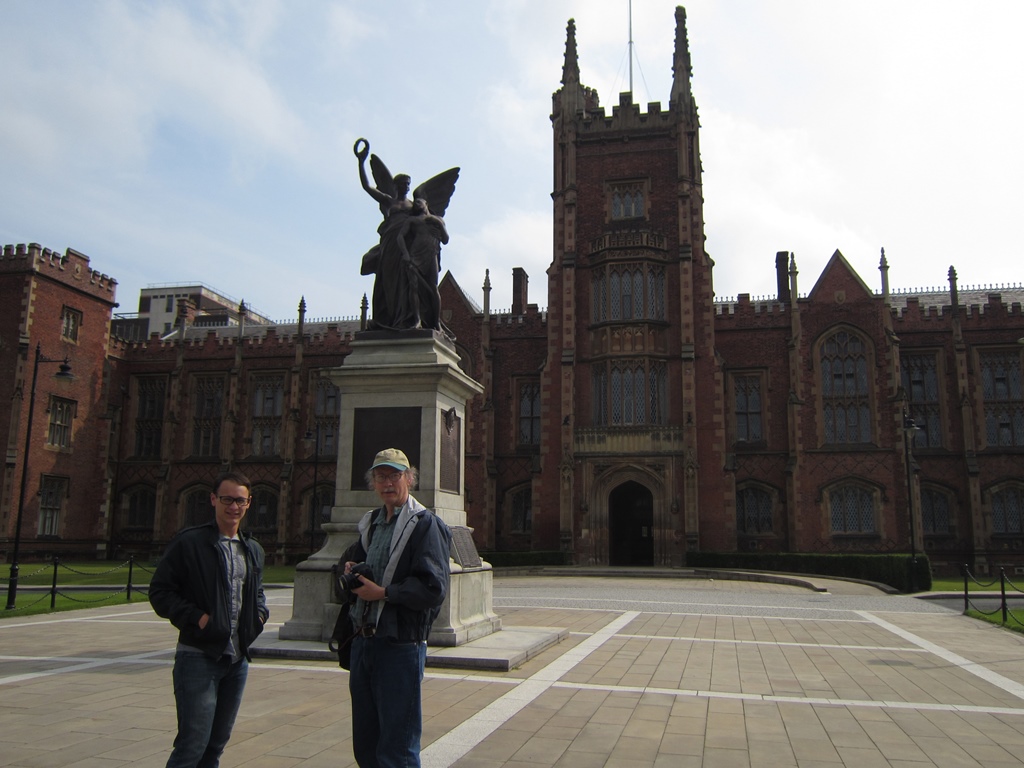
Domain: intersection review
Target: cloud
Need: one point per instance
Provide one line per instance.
(501, 244)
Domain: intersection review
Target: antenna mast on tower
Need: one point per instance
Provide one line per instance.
(631, 46)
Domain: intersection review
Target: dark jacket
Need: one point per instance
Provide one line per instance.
(417, 574)
(191, 580)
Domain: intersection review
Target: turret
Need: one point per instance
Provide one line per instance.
(682, 71)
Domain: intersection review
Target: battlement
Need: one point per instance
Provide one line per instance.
(744, 306)
(507, 317)
(71, 268)
(320, 332)
(625, 116)
(979, 307)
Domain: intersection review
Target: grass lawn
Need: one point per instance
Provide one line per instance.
(1013, 622)
(110, 580)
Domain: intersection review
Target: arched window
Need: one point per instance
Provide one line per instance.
(141, 509)
(844, 388)
(262, 515)
(197, 507)
(522, 510)
(1008, 510)
(935, 512)
(319, 504)
(851, 509)
(753, 510)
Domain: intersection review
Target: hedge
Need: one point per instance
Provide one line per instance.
(893, 570)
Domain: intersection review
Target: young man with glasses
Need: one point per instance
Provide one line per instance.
(407, 548)
(209, 583)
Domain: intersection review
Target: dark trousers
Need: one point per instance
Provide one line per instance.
(387, 717)
(207, 694)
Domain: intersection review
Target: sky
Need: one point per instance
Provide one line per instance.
(179, 142)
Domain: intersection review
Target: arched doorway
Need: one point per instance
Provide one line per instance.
(630, 525)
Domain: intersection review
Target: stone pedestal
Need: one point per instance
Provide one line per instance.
(398, 390)
(468, 611)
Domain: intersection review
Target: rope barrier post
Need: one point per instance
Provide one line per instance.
(1002, 590)
(131, 563)
(53, 589)
(966, 575)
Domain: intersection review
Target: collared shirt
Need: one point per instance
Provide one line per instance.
(377, 558)
(234, 562)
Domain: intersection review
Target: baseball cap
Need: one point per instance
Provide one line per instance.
(391, 457)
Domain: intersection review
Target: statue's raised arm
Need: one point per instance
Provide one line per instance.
(389, 192)
(406, 259)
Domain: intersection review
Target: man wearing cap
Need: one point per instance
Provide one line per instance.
(407, 548)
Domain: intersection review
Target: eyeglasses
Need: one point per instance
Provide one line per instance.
(241, 501)
(390, 477)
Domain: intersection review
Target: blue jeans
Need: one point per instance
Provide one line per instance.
(207, 694)
(387, 717)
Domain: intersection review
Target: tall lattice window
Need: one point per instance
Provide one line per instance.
(267, 408)
(326, 411)
(627, 200)
(1003, 398)
(62, 414)
(628, 292)
(52, 493)
(629, 392)
(851, 509)
(529, 414)
(262, 516)
(599, 395)
(747, 403)
(599, 296)
(149, 416)
(844, 386)
(936, 519)
(207, 413)
(1008, 510)
(921, 383)
(753, 510)
(70, 322)
(141, 509)
(522, 510)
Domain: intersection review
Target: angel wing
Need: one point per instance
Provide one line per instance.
(437, 191)
(383, 180)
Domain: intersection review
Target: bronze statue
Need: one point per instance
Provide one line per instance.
(407, 260)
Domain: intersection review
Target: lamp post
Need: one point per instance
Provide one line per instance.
(63, 373)
(910, 429)
(315, 502)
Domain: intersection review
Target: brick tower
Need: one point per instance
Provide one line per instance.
(633, 444)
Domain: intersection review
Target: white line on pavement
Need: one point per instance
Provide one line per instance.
(461, 739)
(1008, 685)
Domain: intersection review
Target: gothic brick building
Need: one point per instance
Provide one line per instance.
(636, 419)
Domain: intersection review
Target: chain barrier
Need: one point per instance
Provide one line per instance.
(115, 569)
(53, 591)
(1004, 606)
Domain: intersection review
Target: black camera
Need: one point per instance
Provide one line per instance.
(350, 581)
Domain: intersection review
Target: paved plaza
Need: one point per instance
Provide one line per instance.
(669, 673)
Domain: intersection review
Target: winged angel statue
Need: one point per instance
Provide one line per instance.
(407, 259)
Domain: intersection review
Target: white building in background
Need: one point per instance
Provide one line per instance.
(161, 307)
